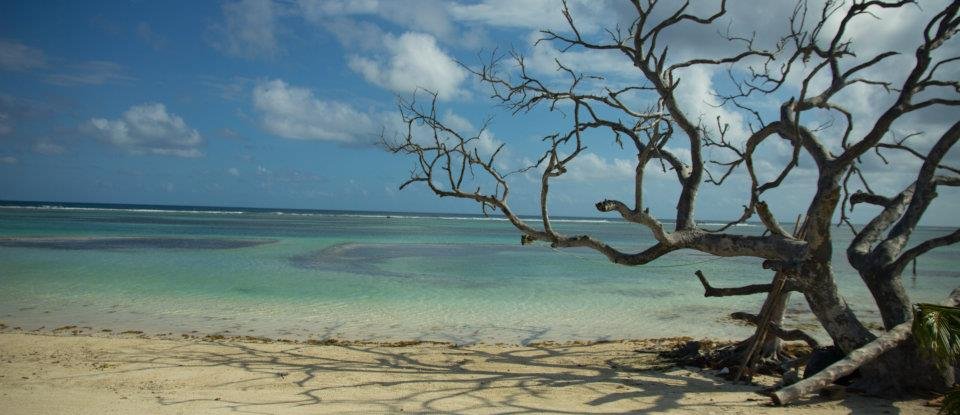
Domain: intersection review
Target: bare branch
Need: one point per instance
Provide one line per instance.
(710, 291)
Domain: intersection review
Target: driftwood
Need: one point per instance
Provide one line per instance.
(853, 361)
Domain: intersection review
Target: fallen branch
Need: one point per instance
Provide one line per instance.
(776, 330)
(853, 361)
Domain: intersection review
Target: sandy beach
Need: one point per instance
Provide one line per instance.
(105, 374)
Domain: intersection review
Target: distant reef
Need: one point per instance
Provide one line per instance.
(114, 243)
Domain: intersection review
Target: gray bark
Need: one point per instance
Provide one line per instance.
(886, 343)
(833, 312)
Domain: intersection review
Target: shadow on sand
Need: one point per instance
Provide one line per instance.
(242, 377)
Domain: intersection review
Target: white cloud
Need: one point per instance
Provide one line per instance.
(147, 35)
(456, 122)
(48, 148)
(148, 129)
(537, 14)
(231, 89)
(233, 172)
(429, 16)
(6, 125)
(15, 56)
(696, 96)
(248, 30)
(543, 57)
(413, 61)
(486, 144)
(9, 160)
(318, 9)
(294, 112)
(90, 73)
(14, 110)
(590, 167)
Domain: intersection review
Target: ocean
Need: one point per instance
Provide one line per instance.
(377, 276)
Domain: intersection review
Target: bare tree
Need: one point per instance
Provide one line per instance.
(804, 70)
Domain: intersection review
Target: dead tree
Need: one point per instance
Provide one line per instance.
(893, 338)
(805, 71)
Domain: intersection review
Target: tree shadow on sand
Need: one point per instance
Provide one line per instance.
(427, 378)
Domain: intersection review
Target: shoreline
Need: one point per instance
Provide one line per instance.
(658, 343)
(135, 373)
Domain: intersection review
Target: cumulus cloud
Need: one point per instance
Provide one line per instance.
(148, 129)
(9, 160)
(248, 30)
(294, 112)
(15, 56)
(696, 95)
(412, 61)
(591, 167)
(543, 58)
(233, 172)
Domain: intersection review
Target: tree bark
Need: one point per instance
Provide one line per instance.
(778, 331)
(902, 369)
(769, 353)
(772, 344)
(886, 286)
(844, 367)
(832, 311)
(891, 341)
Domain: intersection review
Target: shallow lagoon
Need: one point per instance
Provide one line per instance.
(369, 276)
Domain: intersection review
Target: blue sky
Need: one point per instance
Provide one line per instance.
(276, 104)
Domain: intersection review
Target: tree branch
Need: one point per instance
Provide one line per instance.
(710, 291)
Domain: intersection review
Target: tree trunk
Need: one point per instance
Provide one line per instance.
(843, 367)
(896, 372)
(903, 369)
(886, 286)
(769, 355)
(832, 310)
(881, 362)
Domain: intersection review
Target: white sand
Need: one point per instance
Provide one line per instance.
(45, 374)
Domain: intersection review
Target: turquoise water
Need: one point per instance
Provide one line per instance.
(368, 276)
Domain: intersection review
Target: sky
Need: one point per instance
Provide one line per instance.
(258, 103)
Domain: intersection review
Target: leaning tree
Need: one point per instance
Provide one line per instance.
(791, 91)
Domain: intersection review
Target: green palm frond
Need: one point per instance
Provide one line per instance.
(936, 329)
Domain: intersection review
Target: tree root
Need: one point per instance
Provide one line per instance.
(776, 330)
(708, 355)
